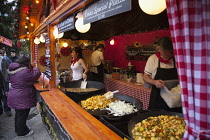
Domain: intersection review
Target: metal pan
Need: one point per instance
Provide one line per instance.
(78, 96)
(122, 97)
(148, 113)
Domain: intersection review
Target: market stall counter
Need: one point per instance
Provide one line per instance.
(67, 120)
(129, 88)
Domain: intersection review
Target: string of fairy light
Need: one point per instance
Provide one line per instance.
(46, 20)
(28, 23)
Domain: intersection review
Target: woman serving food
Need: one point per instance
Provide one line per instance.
(160, 66)
(78, 66)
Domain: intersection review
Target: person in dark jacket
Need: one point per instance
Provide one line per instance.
(22, 94)
(4, 80)
(13, 56)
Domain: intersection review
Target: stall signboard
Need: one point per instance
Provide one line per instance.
(141, 53)
(48, 73)
(132, 52)
(6, 41)
(48, 63)
(105, 8)
(53, 126)
(66, 25)
(146, 50)
(47, 41)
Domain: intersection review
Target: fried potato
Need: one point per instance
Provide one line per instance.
(163, 127)
(96, 102)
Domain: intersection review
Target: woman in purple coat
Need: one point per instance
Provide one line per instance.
(22, 94)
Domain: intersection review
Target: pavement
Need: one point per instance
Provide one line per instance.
(34, 121)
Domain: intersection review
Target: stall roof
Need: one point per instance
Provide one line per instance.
(134, 21)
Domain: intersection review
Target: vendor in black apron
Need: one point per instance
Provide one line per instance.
(160, 66)
(97, 60)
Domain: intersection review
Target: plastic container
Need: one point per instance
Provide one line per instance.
(171, 99)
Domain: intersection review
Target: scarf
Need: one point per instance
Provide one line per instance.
(163, 60)
(74, 61)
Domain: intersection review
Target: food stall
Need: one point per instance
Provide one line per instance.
(62, 116)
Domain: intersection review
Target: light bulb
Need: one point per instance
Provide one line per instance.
(152, 7)
(36, 40)
(42, 39)
(79, 24)
(56, 34)
(111, 42)
(65, 44)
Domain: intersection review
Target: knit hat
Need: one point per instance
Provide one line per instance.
(13, 50)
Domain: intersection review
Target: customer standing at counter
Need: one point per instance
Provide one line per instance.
(22, 94)
(160, 66)
(78, 66)
(97, 60)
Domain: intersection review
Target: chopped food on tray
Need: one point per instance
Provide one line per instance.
(163, 127)
(96, 102)
(120, 108)
(176, 90)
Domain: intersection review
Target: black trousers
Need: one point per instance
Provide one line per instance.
(3, 104)
(21, 128)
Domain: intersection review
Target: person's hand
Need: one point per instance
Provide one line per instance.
(159, 83)
(84, 76)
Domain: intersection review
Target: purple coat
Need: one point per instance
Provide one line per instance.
(22, 94)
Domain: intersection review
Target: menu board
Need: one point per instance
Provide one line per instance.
(66, 25)
(48, 73)
(48, 62)
(141, 53)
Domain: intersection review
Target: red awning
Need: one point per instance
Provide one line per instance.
(6, 41)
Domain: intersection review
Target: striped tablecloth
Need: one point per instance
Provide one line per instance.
(127, 88)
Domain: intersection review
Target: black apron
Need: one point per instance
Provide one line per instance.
(156, 101)
(100, 69)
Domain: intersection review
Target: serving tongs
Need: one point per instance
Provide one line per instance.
(110, 94)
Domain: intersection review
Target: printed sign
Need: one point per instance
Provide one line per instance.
(141, 53)
(47, 41)
(6, 41)
(132, 52)
(146, 50)
(105, 8)
(66, 25)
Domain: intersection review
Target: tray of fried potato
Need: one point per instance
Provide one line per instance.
(95, 104)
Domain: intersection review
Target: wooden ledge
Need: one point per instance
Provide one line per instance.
(78, 123)
(39, 86)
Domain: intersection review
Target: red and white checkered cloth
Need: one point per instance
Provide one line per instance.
(130, 89)
(189, 22)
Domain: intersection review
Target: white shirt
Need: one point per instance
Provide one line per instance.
(77, 71)
(96, 58)
(152, 65)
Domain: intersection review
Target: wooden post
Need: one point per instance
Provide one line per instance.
(52, 56)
